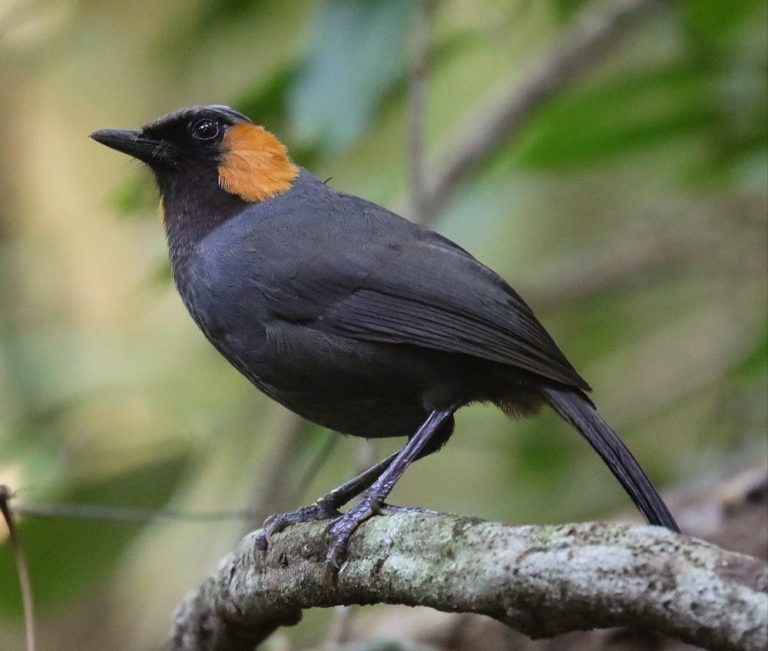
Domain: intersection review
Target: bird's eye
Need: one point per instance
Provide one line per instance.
(205, 129)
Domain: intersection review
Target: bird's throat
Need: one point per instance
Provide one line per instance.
(191, 211)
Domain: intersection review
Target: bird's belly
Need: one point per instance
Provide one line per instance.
(372, 417)
(353, 387)
(356, 387)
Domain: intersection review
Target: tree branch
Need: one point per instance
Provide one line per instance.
(541, 580)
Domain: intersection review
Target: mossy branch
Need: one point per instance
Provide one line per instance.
(541, 580)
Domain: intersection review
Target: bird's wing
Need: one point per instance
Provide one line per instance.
(422, 292)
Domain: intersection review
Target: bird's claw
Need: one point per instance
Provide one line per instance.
(341, 529)
(320, 510)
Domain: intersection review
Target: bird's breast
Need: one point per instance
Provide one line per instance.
(218, 288)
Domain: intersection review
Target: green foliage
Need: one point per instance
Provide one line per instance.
(592, 125)
(564, 9)
(713, 26)
(754, 366)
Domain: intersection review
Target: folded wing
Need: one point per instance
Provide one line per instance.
(421, 292)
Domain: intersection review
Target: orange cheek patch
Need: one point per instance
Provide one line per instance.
(255, 165)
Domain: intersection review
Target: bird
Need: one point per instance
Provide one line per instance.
(347, 314)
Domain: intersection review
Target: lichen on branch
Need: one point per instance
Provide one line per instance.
(541, 580)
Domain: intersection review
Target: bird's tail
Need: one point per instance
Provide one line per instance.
(579, 412)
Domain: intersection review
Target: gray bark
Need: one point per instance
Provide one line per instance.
(541, 580)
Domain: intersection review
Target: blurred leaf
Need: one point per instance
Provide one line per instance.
(592, 124)
(564, 9)
(735, 151)
(67, 557)
(755, 365)
(727, 42)
(358, 52)
(710, 23)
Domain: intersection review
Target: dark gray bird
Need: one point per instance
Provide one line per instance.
(348, 314)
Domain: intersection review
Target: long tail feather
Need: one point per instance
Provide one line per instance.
(578, 410)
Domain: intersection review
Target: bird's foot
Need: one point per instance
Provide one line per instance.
(341, 529)
(320, 510)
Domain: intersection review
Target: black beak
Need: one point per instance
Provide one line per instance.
(135, 144)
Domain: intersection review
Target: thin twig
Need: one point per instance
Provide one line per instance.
(590, 40)
(126, 515)
(22, 569)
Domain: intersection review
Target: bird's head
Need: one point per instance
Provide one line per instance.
(208, 145)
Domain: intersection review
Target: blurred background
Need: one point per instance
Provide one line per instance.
(626, 202)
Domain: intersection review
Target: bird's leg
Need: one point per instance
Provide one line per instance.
(327, 506)
(372, 501)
